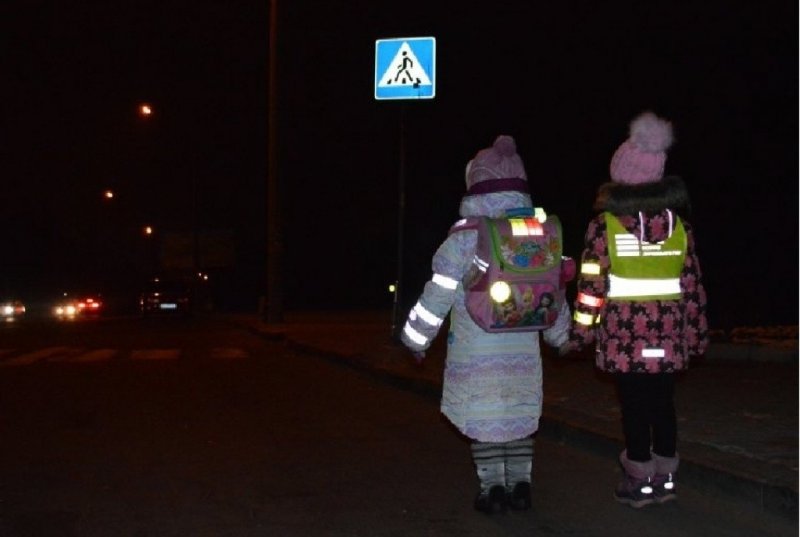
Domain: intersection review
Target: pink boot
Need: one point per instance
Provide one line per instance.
(664, 488)
(636, 487)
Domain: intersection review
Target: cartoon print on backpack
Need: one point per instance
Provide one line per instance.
(546, 311)
(506, 314)
(525, 307)
(529, 253)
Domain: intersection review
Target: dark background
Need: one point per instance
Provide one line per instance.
(564, 79)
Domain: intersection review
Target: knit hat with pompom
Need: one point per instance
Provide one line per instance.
(640, 159)
(500, 161)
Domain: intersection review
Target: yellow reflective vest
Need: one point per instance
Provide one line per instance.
(641, 271)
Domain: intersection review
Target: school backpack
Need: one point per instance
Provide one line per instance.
(518, 279)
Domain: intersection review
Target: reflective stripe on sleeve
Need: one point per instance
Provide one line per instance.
(423, 313)
(482, 265)
(444, 281)
(584, 318)
(414, 336)
(589, 300)
(591, 269)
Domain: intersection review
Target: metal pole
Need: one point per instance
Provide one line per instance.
(401, 197)
(274, 294)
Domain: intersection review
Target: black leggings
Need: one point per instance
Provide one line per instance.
(648, 414)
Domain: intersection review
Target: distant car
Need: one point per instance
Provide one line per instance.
(11, 310)
(89, 306)
(161, 296)
(65, 309)
(85, 306)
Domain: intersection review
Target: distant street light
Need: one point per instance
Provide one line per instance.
(148, 230)
(145, 110)
(108, 194)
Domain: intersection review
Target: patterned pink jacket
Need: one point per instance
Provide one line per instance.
(622, 330)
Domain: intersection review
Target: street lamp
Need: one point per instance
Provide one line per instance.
(145, 110)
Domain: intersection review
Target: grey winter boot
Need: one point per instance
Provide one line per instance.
(490, 464)
(664, 488)
(636, 487)
(519, 464)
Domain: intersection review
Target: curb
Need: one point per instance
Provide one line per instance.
(751, 488)
(750, 353)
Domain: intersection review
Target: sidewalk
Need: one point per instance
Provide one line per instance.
(737, 406)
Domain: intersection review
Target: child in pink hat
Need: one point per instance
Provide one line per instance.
(642, 304)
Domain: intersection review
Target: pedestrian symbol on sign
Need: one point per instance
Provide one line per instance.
(403, 70)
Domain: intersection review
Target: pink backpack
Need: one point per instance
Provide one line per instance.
(518, 279)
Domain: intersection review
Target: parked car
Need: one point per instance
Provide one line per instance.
(164, 296)
(11, 310)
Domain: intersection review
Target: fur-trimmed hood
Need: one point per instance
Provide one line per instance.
(621, 199)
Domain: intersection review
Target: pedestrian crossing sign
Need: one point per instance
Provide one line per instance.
(405, 68)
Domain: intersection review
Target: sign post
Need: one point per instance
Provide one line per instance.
(405, 68)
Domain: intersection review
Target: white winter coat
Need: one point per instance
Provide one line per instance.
(492, 388)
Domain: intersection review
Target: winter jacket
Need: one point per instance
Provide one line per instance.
(492, 383)
(651, 336)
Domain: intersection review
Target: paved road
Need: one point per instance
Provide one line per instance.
(198, 428)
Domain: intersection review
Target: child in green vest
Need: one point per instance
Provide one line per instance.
(642, 303)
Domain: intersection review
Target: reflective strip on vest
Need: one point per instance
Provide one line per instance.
(444, 281)
(423, 313)
(592, 269)
(414, 336)
(630, 246)
(633, 287)
(584, 318)
(589, 300)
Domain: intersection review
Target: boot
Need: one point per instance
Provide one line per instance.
(664, 488)
(519, 463)
(636, 487)
(490, 465)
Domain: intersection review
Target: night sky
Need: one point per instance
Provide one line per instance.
(564, 80)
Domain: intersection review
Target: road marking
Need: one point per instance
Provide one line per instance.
(82, 355)
(34, 356)
(229, 353)
(96, 355)
(155, 354)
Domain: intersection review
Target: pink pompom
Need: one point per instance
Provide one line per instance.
(651, 133)
(505, 145)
